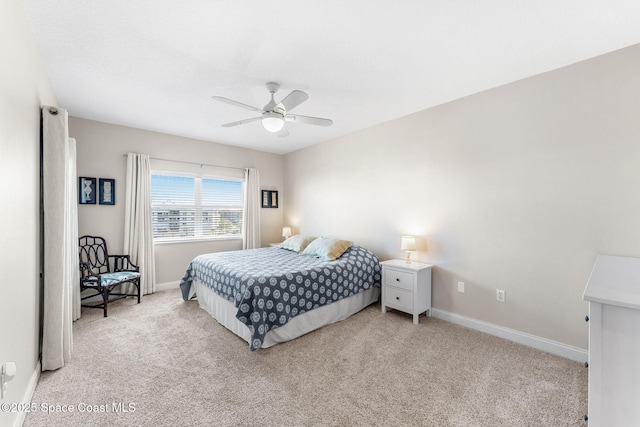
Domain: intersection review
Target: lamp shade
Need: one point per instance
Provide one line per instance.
(408, 243)
(273, 122)
(286, 231)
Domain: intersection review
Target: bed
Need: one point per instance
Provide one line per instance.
(272, 295)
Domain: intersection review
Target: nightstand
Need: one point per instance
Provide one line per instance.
(406, 287)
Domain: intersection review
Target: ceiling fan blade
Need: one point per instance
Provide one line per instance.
(294, 99)
(241, 122)
(236, 103)
(308, 120)
(283, 132)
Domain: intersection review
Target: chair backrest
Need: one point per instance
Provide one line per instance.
(93, 250)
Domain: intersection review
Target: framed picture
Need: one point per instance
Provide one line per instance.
(269, 199)
(107, 191)
(87, 191)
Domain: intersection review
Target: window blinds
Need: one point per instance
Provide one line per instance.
(189, 207)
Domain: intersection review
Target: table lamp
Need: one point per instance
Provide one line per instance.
(286, 232)
(408, 244)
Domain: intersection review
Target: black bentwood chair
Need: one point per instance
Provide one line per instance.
(103, 272)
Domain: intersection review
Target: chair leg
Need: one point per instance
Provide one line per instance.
(139, 291)
(105, 300)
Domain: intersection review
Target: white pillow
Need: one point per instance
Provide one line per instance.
(296, 243)
(327, 249)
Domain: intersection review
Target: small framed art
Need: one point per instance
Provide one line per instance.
(107, 191)
(87, 191)
(269, 199)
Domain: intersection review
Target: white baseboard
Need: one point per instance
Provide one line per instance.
(167, 285)
(536, 342)
(28, 396)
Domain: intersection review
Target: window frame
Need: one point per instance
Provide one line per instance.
(198, 208)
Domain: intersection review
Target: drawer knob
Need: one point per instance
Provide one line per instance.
(398, 298)
(397, 279)
(586, 318)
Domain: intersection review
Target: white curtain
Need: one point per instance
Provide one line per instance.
(61, 292)
(72, 225)
(138, 233)
(251, 217)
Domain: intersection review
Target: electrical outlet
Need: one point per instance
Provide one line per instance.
(500, 295)
(461, 287)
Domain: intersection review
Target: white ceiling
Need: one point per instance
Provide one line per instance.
(154, 64)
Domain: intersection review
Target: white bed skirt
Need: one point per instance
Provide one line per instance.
(224, 311)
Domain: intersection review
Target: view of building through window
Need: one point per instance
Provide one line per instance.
(190, 207)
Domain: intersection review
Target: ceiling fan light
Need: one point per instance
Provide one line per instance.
(273, 122)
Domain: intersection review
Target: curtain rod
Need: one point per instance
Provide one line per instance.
(193, 163)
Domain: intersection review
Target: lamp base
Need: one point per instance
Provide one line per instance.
(408, 261)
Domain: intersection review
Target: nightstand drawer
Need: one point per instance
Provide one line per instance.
(399, 279)
(399, 298)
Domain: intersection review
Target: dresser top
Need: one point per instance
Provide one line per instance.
(614, 280)
(401, 263)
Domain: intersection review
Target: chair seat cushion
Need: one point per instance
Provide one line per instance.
(117, 277)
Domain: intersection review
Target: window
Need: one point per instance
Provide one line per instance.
(190, 207)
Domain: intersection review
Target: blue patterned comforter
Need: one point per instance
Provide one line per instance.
(270, 286)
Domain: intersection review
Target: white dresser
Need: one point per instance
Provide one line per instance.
(613, 292)
(406, 287)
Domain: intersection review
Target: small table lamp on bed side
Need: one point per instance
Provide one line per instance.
(286, 233)
(408, 244)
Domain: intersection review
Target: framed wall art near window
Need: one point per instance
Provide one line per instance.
(87, 191)
(269, 199)
(107, 191)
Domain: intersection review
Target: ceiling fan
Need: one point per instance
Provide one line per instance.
(275, 114)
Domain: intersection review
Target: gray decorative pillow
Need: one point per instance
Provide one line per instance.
(296, 243)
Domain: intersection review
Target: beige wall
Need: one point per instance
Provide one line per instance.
(101, 148)
(516, 188)
(24, 86)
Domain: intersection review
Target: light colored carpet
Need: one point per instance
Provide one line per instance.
(178, 367)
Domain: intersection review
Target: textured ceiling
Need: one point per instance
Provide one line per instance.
(154, 64)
